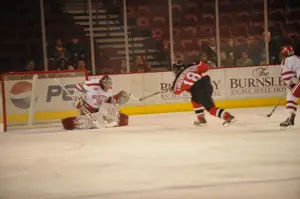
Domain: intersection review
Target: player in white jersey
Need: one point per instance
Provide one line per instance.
(94, 99)
(290, 73)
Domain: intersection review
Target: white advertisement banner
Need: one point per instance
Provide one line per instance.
(253, 82)
(48, 95)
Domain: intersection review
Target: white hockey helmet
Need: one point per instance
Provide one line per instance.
(106, 82)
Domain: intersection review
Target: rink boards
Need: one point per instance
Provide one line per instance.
(233, 88)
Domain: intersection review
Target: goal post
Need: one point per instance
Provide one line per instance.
(37, 99)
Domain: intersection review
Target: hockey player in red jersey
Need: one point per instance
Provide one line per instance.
(290, 74)
(194, 80)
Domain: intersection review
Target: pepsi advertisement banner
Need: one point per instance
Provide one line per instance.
(48, 95)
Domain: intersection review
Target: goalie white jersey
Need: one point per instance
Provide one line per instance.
(93, 94)
(290, 69)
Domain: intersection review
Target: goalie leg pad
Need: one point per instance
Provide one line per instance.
(124, 119)
(69, 123)
(109, 111)
(80, 122)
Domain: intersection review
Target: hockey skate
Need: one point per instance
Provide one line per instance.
(289, 121)
(230, 120)
(200, 122)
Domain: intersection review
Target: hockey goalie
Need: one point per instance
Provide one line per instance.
(98, 107)
(290, 74)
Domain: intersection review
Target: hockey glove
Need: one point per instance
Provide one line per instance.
(122, 97)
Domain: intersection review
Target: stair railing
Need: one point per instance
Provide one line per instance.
(130, 34)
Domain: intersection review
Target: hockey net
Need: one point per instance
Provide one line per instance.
(38, 99)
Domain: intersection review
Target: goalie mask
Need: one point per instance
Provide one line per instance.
(178, 67)
(106, 83)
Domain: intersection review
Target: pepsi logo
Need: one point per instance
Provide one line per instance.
(20, 94)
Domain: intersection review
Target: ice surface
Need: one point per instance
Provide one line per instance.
(158, 157)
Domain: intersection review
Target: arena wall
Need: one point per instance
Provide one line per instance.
(233, 88)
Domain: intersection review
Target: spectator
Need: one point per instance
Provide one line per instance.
(238, 47)
(123, 69)
(76, 51)
(141, 65)
(62, 64)
(211, 50)
(274, 50)
(58, 56)
(226, 61)
(244, 60)
(253, 50)
(262, 58)
(30, 66)
(81, 65)
(71, 67)
(231, 51)
(204, 58)
(58, 51)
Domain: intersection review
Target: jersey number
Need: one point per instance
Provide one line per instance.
(192, 77)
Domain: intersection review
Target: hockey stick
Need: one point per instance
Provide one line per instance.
(145, 97)
(151, 95)
(82, 108)
(276, 106)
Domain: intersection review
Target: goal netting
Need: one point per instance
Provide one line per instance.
(38, 99)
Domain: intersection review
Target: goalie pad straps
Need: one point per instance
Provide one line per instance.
(78, 99)
(111, 114)
(83, 122)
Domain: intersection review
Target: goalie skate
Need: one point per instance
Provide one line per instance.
(288, 122)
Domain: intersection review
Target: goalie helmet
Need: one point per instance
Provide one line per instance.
(286, 51)
(106, 83)
(178, 67)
